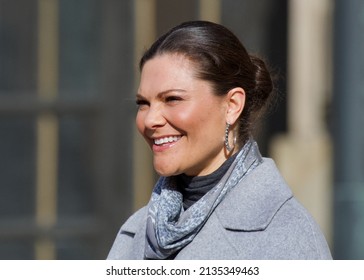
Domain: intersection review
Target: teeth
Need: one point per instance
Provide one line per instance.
(165, 140)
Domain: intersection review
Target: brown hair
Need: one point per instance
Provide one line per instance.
(222, 60)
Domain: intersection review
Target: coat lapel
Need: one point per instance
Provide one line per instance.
(252, 204)
(135, 227)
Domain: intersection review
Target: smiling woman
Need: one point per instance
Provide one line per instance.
(199, 97)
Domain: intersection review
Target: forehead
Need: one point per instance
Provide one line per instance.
(167, 70)
(174, 62)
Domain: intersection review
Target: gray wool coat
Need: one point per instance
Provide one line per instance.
(258, 219)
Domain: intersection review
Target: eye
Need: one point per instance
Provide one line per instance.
(173, 99)
(141, 102)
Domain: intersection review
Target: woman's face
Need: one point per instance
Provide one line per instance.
(180, 117)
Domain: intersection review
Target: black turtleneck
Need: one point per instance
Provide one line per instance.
(195, 187)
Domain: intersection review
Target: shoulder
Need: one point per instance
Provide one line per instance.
(303, 238)
(262, 214)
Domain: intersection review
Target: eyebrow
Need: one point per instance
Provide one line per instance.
(162, 93)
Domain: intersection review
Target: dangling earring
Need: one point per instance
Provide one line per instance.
(227, 145)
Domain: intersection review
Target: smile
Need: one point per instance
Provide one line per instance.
(166, 140)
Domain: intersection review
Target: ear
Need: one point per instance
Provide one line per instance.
(235, 99)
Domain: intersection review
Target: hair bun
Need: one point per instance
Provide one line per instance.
(263, 82)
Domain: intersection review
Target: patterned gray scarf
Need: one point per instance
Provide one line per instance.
(170, 227)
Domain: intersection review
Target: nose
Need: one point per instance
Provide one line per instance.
(154, 117)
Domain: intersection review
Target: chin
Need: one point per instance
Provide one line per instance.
(163, 171)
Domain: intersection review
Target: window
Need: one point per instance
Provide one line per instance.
(65, 127)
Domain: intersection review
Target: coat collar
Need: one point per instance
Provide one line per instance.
(252, 204)
(134, 222)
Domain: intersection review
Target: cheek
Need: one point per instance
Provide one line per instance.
(191, 120)
(200, 113)
(184, 118)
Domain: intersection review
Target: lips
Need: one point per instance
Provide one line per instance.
(166, 140)
(162, 144)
